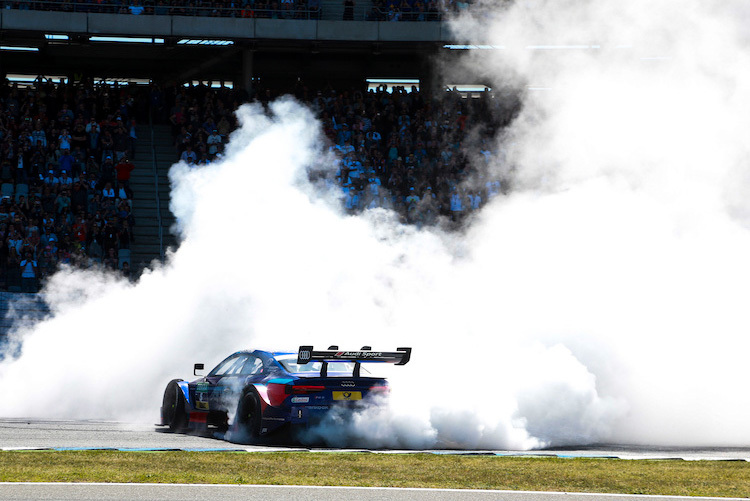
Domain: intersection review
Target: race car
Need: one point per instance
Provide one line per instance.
(257, 393)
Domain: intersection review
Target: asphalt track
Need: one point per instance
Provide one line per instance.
(17, 434)
(29, 434)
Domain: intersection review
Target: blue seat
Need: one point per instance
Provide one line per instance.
(6, 190)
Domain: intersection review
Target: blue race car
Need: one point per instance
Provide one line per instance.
(259, 392)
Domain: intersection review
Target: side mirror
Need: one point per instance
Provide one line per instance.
(196, 368)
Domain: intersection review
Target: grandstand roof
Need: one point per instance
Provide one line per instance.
(185, 47)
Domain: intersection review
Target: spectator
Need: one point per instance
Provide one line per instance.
(121, 141)
(124, 168)
(51, 181)
(79, 198)
(111, 261)
(39, 136)
(78, 136)
(65, 181)
(136, 8)
(62, 203)
(126, 270)
(28, 268)
(109, 239)
(93, 130)
(351, 200)
(65, 140)
(348, 10)
(107, 145)
(65, 162)
(124, 192)
(13, 268)
(214, 143)
(108, 192)
(188, 156)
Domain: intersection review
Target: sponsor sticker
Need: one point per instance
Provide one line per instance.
(347, 395)
(359, 354)
(300, 400)
(201, 405)
(201, 387)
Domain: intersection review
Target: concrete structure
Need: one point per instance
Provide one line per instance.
(151, 196)
(274, 49)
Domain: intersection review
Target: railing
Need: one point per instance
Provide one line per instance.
(404, 15)
(156, 185)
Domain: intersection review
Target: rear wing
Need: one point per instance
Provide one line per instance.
(307, 354)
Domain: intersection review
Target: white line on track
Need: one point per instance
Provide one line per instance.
(395, 489)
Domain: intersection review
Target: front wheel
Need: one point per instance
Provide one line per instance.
(173, 407)
(248, 415)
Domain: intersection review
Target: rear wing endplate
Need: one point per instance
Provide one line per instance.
(307, 354)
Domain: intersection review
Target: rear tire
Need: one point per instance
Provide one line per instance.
(173, 407)
(248, 415)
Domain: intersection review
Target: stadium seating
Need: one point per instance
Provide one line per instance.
(123, 257)
(59, 218)
(22, 190)
(7, 190)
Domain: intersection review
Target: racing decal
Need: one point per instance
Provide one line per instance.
(360, 354)
(201, 398)
(300, 400)
(201, 387)
(347, 395)
(307, 354)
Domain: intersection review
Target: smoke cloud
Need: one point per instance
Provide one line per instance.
(602, 300)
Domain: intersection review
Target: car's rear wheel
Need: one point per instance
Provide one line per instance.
(248, 415)
(173, 407)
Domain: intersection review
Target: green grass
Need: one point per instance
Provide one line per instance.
(686, 478)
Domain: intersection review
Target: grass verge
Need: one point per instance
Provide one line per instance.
(684, 478)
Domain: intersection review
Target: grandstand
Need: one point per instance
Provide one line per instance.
(160, 77)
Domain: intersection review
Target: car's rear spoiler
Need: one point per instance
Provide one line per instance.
(307, 354)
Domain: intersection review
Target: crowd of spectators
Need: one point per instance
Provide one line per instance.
(421, 155)
(381, 10)
(201, 118)
(65, 153)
